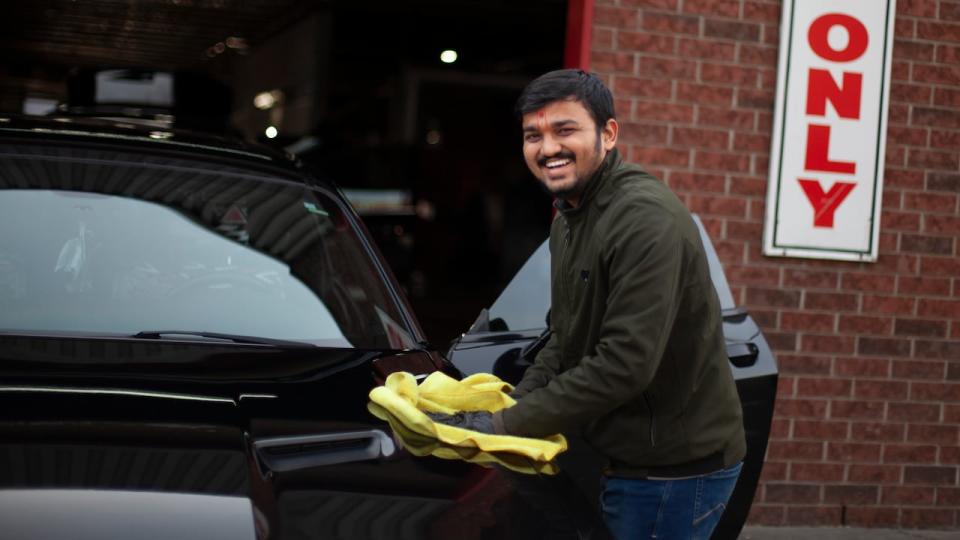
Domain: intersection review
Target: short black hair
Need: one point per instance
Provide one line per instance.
(568, 84)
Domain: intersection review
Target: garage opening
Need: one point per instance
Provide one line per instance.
(408, 106)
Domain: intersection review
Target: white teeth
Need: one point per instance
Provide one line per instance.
(557, 163)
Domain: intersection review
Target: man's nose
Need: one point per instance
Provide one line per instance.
(551, 145)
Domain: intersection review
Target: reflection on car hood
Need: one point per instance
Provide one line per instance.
(74, 514)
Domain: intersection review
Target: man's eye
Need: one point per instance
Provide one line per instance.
(565, 131)
(531, 137)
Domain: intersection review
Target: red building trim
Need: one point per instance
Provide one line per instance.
(579, 25)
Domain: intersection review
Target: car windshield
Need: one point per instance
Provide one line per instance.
(114, 244)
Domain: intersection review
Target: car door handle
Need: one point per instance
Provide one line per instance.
(283, 454)
(743, 354)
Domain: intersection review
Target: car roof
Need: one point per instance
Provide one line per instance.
(133, 133)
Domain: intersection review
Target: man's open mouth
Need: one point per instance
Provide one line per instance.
(557, 163)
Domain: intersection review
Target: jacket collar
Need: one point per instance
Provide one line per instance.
(598, 180)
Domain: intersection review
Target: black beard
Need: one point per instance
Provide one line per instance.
(578, 188)
(565, 194)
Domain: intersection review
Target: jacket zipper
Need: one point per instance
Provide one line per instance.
(653, 427)
(563, 270)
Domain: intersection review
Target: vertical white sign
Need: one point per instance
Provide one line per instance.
(829, 132)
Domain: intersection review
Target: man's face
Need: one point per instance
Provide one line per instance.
(562, 147)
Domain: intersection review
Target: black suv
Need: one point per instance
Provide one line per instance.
(189, 328)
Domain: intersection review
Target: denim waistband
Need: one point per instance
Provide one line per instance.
(698, 467)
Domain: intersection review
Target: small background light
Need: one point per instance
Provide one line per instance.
(270, 132)
(266, 100)
(235, 42)
(448, 56)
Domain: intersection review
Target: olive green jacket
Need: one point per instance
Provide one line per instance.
(636, 358)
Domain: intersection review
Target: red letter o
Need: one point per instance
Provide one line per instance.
(856, 45)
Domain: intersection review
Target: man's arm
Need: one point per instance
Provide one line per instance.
(545, 367)
(644, 259)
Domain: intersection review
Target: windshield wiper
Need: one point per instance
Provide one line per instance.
(234, 338)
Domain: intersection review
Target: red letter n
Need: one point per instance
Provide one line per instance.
(822, 88)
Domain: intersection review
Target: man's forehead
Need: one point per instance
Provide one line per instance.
(541, 123)
(569, 105)
(557, 112)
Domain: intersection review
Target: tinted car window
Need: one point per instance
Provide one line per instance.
(524, 303)
(97, 242)
(716, 270)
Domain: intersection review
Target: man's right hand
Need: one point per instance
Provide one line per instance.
(480, 421)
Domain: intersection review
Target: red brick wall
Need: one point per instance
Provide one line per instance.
(867, 424)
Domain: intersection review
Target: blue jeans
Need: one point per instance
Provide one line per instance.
(667, 509)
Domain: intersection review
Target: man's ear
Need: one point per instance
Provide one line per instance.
(609, 134)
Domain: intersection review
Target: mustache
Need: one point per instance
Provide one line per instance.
(562, 155)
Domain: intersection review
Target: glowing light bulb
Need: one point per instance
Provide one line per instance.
(448, 56)
(270, 132)
(266, 100)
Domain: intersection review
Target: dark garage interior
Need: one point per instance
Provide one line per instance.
(427, 148)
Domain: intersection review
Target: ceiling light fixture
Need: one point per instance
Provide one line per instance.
(267, 100)
(235, 42)
(448, 56)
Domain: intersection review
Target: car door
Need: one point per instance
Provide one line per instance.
(332, 470)
(506, 336)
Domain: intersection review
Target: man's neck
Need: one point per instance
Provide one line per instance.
(573, 200)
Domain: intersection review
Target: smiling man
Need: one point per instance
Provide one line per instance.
(636, 358)
(636, 362)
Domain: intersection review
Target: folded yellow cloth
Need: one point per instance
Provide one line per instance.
(422, 445)
(402, 403)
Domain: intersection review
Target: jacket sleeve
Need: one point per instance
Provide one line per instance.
(643, 256)
(544, 369)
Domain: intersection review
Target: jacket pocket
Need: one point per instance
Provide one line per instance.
(624, 434)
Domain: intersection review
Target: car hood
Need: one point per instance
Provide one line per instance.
(75, 463)
(95, 514)
(164, 428)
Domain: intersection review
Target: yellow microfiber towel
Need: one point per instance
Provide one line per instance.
(402, 403)
(422, 445)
